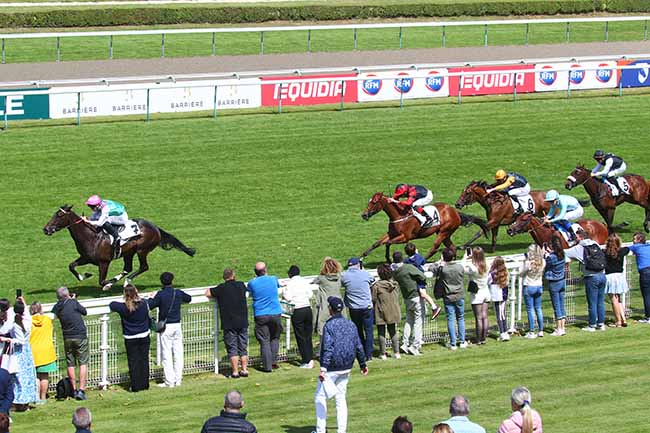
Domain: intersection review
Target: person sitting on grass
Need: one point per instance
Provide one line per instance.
(401, 424)
(82, 420)
(459, 421)
(524, 419)
(231, 419)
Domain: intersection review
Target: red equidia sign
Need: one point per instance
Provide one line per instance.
(297, 91)
(500, 80)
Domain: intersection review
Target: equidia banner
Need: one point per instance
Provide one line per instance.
(637, 77)
(20, 107)
(494, 80)
(424, 83)
(297, 91)
(586, 75)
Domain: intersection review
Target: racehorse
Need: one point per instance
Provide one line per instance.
(543, 233)
(95, 247)
(498, 206)
(602, 198)
(403, 226)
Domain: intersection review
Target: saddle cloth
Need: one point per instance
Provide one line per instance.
(527, 203)
(565, 235)
(127, 232)
(432, 211)
(623, 186)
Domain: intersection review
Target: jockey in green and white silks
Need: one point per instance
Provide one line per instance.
(107, 214)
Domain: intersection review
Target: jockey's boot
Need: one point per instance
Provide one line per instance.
(110, 228)
(518, 209)
(428, 220)
(611, 182)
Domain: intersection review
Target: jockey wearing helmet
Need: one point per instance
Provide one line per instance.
(564, 209)
(417, 196)
(107, 214)
(609, 167)
(512, 183)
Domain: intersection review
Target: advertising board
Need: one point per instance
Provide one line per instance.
(296, 90)
(637, 77)
(395, 85)
(493, 80)
(21, 107)
(579, 75)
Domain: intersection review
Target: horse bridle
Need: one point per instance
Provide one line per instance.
(65, 212)
(575, 181)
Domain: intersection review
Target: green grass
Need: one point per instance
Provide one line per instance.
(187, 45)
(579, 384)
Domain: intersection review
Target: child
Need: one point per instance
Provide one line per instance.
(498, 280)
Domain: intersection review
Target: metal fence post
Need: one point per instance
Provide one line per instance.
(6, 116)
(104, 350)
(606, 31)
(355, 39)
(568, 32)
(400, 38)
(515, 87)
(485, 35)
(444, 36)
(214, 45)
(162, 45)
(78, 108)
(309, 41)
(110, 47)
(147, 118)
(287, 340)
(620, 87)
(568, 86)
(460, 79)
(512, 297)
(342, 93)
(520, 294)
(158, 343)
(214, 113)
(261, 42)
(216, 336)
(527, 31)
(3, 51)
(58, 49)
(280, 99)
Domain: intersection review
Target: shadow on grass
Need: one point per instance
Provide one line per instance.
(298, 429)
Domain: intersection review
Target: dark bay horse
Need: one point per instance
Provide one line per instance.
(498, 207)
(602, 198)
(94, 246)
(542, 233)
(403, 226)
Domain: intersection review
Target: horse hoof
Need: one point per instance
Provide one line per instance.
(126, 282)
(107, 287)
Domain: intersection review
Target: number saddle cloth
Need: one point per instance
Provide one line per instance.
(126, 232)
(526, 201)
(432, 211)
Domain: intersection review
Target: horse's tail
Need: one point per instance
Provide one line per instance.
(466, 220)
(585, 202)
(169, 241)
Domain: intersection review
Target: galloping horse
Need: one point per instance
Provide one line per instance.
(602, 198)
(542, 233)
(498, 207)
(403, 226)
(94, 247)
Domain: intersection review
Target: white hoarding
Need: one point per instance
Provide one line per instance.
(424, 83)
(580, 75)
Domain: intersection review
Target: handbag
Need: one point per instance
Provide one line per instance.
(9, 360)
(472, 287)
(439, 286)
(161, 325)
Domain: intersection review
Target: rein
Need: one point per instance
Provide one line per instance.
(400, 219)
(77, 221)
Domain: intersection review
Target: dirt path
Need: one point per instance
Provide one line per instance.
(218, 64)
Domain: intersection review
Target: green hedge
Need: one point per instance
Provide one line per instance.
(118, 16)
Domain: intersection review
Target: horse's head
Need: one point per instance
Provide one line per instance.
(470, 194)
(375, 205)
(62, 218)
(578, 176)
(521, 224)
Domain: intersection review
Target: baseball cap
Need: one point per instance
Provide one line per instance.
(354, 261)
(336, 304)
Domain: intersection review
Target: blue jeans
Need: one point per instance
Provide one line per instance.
(644, 283)
(364, 320)
(455, 312)
(595, 290)
(558, 289)
(533, 299)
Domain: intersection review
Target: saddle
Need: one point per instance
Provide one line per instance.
(565, 234)
(126, 232)
(526, 202)
(430, 210)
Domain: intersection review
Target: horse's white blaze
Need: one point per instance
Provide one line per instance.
(571, 178)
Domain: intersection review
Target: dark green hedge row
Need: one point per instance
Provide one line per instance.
(118, 16)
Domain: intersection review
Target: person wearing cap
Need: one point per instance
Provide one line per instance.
(564, 209)
(358, 299)
(340, 345)
(107, 214)
(513, 184)
(607, 169)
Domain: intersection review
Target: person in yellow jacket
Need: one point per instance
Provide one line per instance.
(42, 344)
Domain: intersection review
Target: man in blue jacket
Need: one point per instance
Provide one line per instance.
(6, 391)
(340, 345)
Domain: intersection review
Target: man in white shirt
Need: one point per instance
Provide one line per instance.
(298, 292)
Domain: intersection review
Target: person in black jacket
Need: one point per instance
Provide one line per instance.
(231, 419)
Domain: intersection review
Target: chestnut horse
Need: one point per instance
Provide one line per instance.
(602, 198)
(543, 233)
(498, 207)
(95, 248)
(403, 226)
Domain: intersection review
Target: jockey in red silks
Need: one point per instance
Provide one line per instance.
(107, 214)
(417, 196)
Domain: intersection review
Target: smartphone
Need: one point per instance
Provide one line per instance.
(468, 252)
(545, 246)
(19, 293)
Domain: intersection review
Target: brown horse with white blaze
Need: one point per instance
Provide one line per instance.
(403, 226)
(543, 233)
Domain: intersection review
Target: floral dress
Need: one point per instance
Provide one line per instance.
(25, 386)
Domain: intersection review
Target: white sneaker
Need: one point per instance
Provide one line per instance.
(414, 351)
(505, 336)
(601, 327)
(589, 329)
(463, 345)
(562, 332)
(452, 347)
(530, 335)
(540, 334)
(310, 364)
(556, 333)
(165, 385)
(383, 357)
(397, 355)
(643, 321)
(404, 348)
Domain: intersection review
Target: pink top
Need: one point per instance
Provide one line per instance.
(513, 424)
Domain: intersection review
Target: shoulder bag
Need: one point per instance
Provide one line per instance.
(162, 324)
(9, 361)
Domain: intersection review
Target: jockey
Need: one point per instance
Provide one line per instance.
(417, 196)
(107, 214)
(564, 209)
(609, 167)
(514, 184)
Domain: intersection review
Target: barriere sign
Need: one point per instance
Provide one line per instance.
(298, 91)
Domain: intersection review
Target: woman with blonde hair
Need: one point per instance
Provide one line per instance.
(498, 281)
(616, 282)
(532, 269)
(479, 293)
(43, 351)
(442, 428)
(329, 284)
(524, 418)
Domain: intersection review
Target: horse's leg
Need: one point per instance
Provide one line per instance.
(103, 271)
(144, 266)
(388, 260)
(381, 241)
(79, 262)
(128, 267)
(495, 232)
(442, 236)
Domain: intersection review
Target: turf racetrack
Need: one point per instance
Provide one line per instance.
(288, 188)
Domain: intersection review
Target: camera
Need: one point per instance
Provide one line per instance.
(468, 251)
(19, 293)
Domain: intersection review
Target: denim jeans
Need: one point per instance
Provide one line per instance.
(595, 290)
(364, 319)
(644, 283)
(558, 290)
(455, 312)
(533, 299)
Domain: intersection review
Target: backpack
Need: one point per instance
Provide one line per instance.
(594, 258)
(64, 389)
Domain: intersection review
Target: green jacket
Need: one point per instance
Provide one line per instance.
(408, 276)
(452, 277)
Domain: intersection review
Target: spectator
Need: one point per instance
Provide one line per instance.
(82, 420)
(339, 346)
(231, 419)
(233, 312)
(409, 278)
(6, 391)
(442, 428)
(459, 421)
(387, 310)
(479, 292)
(359, 301)
(416, 259)
(169, 300)
(329, 284)
(641, 252)
(134, 313)
(532, 269)
(42, 342)
(75, 339)
(401, 424)
(298, 292)
(450, 275)
(498, 279)
(524, 419)
(595, 282)
(616, 284)
(4, 423)
(268, 315)
(554, 273)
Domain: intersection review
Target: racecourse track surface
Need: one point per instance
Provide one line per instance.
(269, 62)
